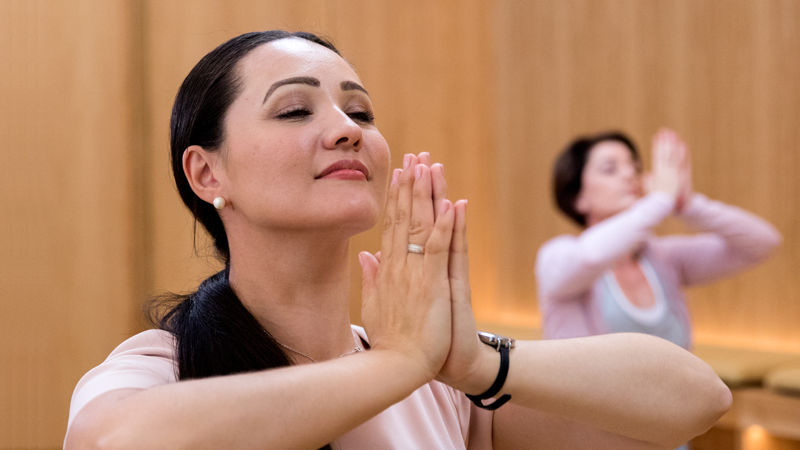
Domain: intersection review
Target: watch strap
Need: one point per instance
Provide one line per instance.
(495, 388)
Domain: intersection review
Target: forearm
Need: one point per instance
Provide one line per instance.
(633, 385)
(515, 427)
(297, 407)
(747, 235)
(567, 267)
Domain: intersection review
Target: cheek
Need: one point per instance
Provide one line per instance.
(380, 157)
(599, 192)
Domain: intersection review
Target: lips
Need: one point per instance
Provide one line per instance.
(344, 167)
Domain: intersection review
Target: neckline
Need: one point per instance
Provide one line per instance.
(646, 316)
(358, 347)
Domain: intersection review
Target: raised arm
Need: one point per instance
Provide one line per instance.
(407, 313)
(295, 407)
(732, 239)
(568, 265)
(632, 385)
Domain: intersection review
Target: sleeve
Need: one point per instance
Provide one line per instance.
(567, 266)
(141, 362)
(731, 239)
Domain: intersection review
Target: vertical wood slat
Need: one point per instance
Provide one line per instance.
(67, 275)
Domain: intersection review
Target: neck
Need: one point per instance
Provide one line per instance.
(296, 285)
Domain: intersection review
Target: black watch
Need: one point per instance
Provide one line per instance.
(502, 344)
(495, 340)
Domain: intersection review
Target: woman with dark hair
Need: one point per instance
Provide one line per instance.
(616, 276)
(275, 151)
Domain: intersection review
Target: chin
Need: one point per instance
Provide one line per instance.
(354, 219)
(628, 201)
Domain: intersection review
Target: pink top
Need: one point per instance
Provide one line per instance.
(433, 416)
(573, 292)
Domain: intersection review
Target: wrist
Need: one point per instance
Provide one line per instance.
(481, 374)
(503, 346)
(690, 203)
(413, 364)
(663, 198)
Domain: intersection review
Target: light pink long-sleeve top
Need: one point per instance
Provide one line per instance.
(570, 269)
(434, 416)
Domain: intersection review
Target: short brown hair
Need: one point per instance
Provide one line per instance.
(568, 169)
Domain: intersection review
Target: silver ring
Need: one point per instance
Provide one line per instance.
(414, 248)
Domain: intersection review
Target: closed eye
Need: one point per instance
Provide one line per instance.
(362, 116)
(609, 169)
(298, 113)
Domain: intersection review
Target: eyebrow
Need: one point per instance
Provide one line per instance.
(352, 86)
(311, 81)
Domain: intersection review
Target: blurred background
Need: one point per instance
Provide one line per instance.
(92, 226)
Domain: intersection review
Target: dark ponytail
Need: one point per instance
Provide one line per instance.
(215, 333)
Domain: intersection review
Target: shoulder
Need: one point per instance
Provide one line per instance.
(140, 362)
(556, 246)
(558, 242)
(147, 343)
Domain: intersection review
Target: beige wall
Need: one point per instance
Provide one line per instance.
(92, 224)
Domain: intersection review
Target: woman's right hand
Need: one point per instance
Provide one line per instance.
(406, 296)
(669, 164)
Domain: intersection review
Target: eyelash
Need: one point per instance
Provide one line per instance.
(301, 113)
(362, 116)
(296, 114)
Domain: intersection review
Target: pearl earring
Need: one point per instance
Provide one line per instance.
(219, 202)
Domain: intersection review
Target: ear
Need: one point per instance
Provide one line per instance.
(199, 166)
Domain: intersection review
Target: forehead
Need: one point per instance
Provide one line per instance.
(609, 150)
(290, 57)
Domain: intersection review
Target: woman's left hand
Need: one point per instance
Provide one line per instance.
(685, 189)
(462, 368)
(463, 363)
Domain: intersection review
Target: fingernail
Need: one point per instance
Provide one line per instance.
(406, 161)
(418, 171)
(362, 258)
(446, 205)
(440, 166)
(396, 175)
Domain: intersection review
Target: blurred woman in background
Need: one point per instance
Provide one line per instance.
(616, 276)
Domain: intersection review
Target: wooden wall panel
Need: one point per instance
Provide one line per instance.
(68, 268)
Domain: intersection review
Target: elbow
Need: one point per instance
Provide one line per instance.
(712, 400)
(717, 402)
(773, 241)
(698, 399)
(758, 250)
(87, 439)
(768, 244)
(84, 435)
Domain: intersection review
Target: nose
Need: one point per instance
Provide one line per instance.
(342, 132)
(629, 171)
